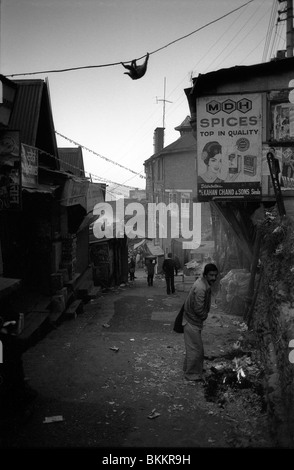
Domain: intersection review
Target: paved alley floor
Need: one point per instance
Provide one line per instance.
(112, 379)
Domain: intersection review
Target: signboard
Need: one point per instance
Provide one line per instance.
(96, 193)
(29, 166)
(229, 147)
(283, 122)
(10, 170)
(285, 156)
(75, 192)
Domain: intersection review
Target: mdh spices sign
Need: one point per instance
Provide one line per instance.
(10, 170)
(229, 147)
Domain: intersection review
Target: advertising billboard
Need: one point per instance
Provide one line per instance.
(10, 170)
(285, 157)
(229, 146)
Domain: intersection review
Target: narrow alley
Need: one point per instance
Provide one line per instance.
(112, 378)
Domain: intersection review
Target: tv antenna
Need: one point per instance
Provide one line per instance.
(164, 101)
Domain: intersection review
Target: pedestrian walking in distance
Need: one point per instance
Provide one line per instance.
(132, 267)
(169, 268)
(150, 265)
(196, 309)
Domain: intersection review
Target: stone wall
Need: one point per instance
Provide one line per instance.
(273, 323)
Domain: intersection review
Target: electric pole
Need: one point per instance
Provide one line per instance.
(289, 25)
(288, 11)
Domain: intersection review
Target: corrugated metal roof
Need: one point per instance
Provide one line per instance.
(204, 83)
(71, 160)
(26, 109)
(32, 116)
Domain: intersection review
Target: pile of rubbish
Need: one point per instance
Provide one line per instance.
(228, 376)
(235, 284)
(193, 268)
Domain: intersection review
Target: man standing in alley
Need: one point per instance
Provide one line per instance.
(132, 267)
(169, 267)
(196, 308)
(150, 267)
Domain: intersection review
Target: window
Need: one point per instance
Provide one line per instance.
(172, 197)
(185, 204)
(185, 198)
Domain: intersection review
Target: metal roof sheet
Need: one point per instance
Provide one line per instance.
(207, 82)
(26, 109)
(32, 116)
(71, 160)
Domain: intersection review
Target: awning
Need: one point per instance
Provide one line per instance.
(155, 250)
(42, 188)
(136, 245)
(88, 220)
(75, 192)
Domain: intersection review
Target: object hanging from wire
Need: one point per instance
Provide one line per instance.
(136, 71)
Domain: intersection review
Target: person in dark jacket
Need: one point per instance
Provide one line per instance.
(196, 309)
(15, 394)
(169, 267)
(150, 266)
(132, 268)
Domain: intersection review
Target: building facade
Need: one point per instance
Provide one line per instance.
(170, 179)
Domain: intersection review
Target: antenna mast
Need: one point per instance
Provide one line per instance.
(164, 101)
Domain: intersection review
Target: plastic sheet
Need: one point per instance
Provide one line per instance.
(235, 284)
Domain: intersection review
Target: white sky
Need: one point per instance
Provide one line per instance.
(103, 109)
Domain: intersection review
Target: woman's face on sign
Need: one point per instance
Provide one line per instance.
(215, 162)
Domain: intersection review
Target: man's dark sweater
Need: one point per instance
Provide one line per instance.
(168, 267)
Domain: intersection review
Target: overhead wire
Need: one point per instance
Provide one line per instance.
(83, 178)
(274, 29)
(274, 41)
(270, 30)
(252, 50)
(153, 52)
(172, 108)
(99, 155)
(129, 61)
(175, 104)
(138, 174)
(124, 182)
(211, 47)
(237, 34)
(100, 178)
